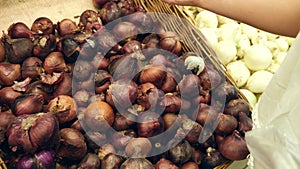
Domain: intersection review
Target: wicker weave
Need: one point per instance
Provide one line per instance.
(2, 164)
(192, 38)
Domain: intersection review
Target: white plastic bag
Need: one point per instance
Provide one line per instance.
(274, 142)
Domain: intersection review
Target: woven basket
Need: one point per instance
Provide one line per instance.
(2, 164)
(192, 38)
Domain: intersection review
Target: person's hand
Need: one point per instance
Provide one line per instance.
(184, 2)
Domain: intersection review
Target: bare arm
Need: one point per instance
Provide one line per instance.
(277, 16)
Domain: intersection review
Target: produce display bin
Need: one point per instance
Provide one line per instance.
(192, 39)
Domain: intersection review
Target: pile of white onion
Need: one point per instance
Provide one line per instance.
(250, 55)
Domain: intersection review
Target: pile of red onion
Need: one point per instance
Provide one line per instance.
(101, 93)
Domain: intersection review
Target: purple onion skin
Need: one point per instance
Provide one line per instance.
(41, 160)
(45, 158)
(26, 162)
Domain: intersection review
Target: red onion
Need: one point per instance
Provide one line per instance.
(210, 78)
(111, 161)
(72, 144)
(5, 119)
(66, 27)
(82, 70)
(109, 12)
(45, 44)
(137, 163)
(181, 153)
(245, 122)
(90, 21)
(190, 165)
(189, 85)
(127, 7)
(142, 20)
(26, 162)
(121, 94)
(227, 124)
(212, 158)
(99, 116)
(106, 40)
(150, 44)
(90, 161)
(45, 158)
(170, 41)
(233, 107)
(122, 122)
(70, 48)
(194, 129)
(169, 85)
(138, 147)
(121, 138)
(154, 74)
(55, 62)
(39, 88)
(64, 87)
(125, 30)
(100, 62)
(33, 132)
(19, 30)
(148, 96)
(125, 67)
(31, 67)
(102, 81)
(42, 25)
(163, 163)
(226, 89)
(234, 147)
(18, 50)
(95, 139)
(105, 150)
(63, 107)
(171, 103)
(150, 124)
(8, 95)
(132, 46)
(28, 104)
(9, 73)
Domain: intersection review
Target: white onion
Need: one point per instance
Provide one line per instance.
(206, 19)
(230, 31)
(258, 81)
(239, 72)
(211, 36)
(282, 44)
(249, 96)
(226, 51)
(257, 57)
